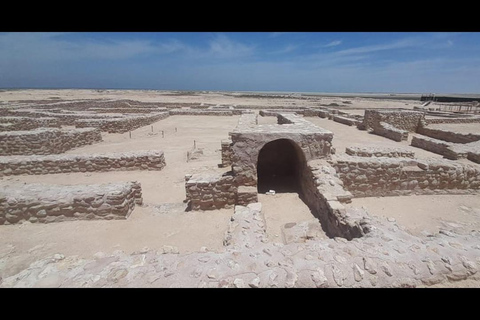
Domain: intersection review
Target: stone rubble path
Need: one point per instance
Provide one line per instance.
(386, 257)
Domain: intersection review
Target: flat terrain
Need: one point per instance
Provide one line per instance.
(162, 221)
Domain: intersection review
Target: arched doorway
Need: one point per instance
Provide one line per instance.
(279, 166)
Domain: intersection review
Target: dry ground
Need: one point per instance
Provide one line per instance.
(163, 221)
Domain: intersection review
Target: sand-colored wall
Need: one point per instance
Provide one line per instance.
(370, 177)
(449, 136)
(210, 191)
(192, 112)
(345, 120)
(54, 203)
(127, 161)
(226, 148)
(121, 125)
(379, 152)
(404, 119)
(46, 140)
(389, 131)
(25, 123)
(324, 194)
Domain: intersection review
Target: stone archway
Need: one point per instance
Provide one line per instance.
(279, 166)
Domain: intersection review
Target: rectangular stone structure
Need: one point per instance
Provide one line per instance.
(248, 139)
(345, 120)
(46, 140)
(45, 203)
(50, 164)
(205, 191)
(401, 119)
(25, 123)
(121, 125)
(379, 152)
(389, 131)
(372, 177)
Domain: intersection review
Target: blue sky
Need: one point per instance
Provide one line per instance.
(416, 62)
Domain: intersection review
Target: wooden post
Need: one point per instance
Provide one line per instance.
(194, 144)
(152, 128)
(130, 133)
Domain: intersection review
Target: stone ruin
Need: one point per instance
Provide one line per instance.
(292, 155)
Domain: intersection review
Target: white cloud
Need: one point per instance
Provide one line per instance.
(287, 49)
(51, 47)
(223, 47)
(333, 43)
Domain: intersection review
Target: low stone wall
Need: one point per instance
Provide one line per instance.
(454, 120)
(190, 112)
(324, 194)
(431, 144)
(121, 125)
(128, 110)
(276, 112)
(311, 112)
(54, 203)
(379, 152)
(372, 177)
(388, 131)
(226, 153)
(449, 136)
(344, 120)
(246, 195)
(46, 141)
(25, 123)
(67, 119)
(128, 161)
(323, 113)
(474, 156)
(401, 119)
(210, 191)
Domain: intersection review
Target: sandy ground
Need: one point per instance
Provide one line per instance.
(464, 128)
(163, 221)
(427, 214)
(280, 209)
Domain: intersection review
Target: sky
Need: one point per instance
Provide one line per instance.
(409, 62)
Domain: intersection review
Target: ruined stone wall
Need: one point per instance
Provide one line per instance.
(449, 136)
(324, 194)
(371, 177)
(46, 141)
(210, 191)
(25, 123)
(454, 120)
(344, 120)
(226, 153)
(249, 138)
(121, 125)
(128, 110)
(67, 119)
(192, 112)
(140, 160)
(431, 144)
(388, 131)
(275, 113)
(54, 203)
(379, 152)
(247, 147)
(404, 120)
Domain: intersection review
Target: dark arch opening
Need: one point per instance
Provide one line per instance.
(279, 167)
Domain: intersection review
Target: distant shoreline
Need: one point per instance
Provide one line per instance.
(372, 95)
